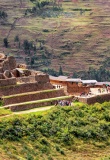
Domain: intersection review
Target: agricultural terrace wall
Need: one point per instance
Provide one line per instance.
(30, 106)
(7, 82)
(33, 96)
(27, 106)
(25, 87)
(99, 98)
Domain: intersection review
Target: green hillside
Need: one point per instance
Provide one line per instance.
(71, 34)
(63, 133)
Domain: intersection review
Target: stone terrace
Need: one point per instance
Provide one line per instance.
(22, 89)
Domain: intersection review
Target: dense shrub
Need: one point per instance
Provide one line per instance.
(63, 123)
(62, 127)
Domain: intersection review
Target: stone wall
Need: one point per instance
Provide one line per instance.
(30, 106)
(33, 78)
(43, 78)
(28, 79)
(33, 96)
(7, 82)
(27, 106)
(25, 87)
(9, 63)
(99, 98)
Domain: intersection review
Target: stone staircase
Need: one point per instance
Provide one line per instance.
(29, 100)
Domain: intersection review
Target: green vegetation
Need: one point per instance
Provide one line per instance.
(6, 43)
(4, 112)
(61, 133)
(102, 74)
(43, 8)
(53, 72)
(60, 71)
(3, 15)
(81, 9)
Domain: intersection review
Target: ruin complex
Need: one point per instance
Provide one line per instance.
(19, 85)
(12, 73)
(22, 88)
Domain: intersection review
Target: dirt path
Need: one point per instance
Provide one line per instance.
(34, 110)
(28, 111)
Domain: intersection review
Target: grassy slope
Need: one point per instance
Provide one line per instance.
(75, 42)
(66, 133)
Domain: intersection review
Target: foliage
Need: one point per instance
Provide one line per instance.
(44, 8)
(63, 127)
(16, 39)
(106, 158)
(3, 15)
(60, 71)
(29, 47)
(4, 112)
(6, 43)
(81, 9)
(102, 74)
(38, 7)
(51, 72)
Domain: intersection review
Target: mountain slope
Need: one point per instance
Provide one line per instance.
(75, 35)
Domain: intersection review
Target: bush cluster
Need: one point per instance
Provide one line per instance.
(61, 125)
(53, 133)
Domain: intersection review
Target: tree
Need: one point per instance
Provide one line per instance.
(33, 1)
(26, 45)
(3, 15)
(60, 71)
(6, 43)
(32, 60)
(16, 39)
(75, 75)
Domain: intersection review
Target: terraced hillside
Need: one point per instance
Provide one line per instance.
(72, 34)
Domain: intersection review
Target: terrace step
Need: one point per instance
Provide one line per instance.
(31, 96)
(34, 104)
(27, 87)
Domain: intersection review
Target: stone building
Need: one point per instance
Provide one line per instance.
(13, 74)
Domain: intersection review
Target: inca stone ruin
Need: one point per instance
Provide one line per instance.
(21, 88)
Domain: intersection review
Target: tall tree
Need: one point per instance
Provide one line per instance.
(16, 39)
(60, 71)
(6, 43)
